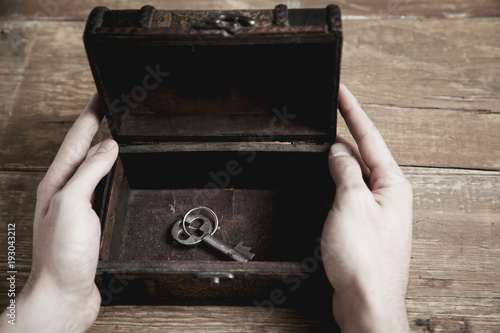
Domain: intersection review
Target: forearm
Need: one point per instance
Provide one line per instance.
(363, 313)
(41, 308)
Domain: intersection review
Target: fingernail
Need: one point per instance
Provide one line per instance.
(105, 146)
(340, 149)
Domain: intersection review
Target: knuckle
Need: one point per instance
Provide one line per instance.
(94, 163)
(58, 199)
(398, 182)
(42, 188)
(345, 164)
(366, 134)
(357, 188)
(356, 194)
(406, 186)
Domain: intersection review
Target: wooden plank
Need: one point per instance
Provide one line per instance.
(79, 10)
(431, 87)
(434, 64)
(16, 41)
(209, 319)
(56, 84)
(449, 217)
(423, 88)
(454, 275)
(230, 319)
(437, 138)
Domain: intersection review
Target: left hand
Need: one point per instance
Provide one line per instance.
(60, 294)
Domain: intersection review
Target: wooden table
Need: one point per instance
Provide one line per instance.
(428, 74)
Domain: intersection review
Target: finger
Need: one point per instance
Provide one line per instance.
(371, 145)
(356, 154)
(91, 152)
(344, 168)
(94, 149)
(93, 169)
(74, 148)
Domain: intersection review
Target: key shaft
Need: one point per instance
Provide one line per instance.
(227, 250)
(203, 234)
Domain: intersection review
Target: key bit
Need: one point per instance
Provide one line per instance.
(245, 250)
(231, 252)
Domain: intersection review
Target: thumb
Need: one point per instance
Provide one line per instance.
(99, 161)
(344, 168)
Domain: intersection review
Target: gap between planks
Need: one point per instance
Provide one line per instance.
(58, 10)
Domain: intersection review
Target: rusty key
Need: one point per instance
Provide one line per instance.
(202, 232)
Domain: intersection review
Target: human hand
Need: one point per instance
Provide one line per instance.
(366, 239)
(60, 294)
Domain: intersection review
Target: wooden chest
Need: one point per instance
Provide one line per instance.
(232, 110)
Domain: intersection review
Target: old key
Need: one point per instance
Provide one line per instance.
(202, 231)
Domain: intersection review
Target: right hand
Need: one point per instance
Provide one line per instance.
(366, 240)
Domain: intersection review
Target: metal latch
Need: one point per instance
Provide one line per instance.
(225, 22)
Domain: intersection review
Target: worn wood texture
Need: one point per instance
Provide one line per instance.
(78, 10)
(209, 319)
(430, 86)
(454, 276)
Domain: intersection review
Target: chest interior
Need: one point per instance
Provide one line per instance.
(239, 121)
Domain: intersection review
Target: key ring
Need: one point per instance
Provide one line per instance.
(200, 208)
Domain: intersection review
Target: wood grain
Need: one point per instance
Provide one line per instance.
(454, 276)
(430, 86)
(228, 319)
(428, 64)
(209, 319)
(16, 41)
(437, 138)
(79, 10)
(429, 78)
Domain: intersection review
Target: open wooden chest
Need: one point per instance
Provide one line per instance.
(232, 110)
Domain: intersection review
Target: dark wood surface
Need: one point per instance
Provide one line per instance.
(427, 72)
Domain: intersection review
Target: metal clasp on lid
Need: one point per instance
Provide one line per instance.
(225, 22)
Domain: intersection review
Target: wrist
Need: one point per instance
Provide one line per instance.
(43, 307)
(358, 310)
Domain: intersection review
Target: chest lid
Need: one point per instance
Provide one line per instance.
(217, 76)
